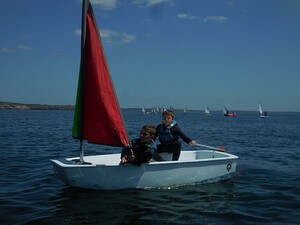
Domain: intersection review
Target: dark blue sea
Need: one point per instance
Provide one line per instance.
(265, 189)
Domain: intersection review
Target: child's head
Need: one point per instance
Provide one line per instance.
(147, 133)
(168, 117)
(169, 112)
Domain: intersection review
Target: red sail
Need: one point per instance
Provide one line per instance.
(98, 117)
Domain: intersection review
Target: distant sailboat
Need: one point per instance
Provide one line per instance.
(157, 110)
(263, 114)
(143, 110)
(207, 111)
(185, 110)
(227, 113)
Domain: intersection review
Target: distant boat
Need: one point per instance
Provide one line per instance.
(153, 110)
(143, 110)
(185, 110)
(98, 120)
(263, 114)
(227, 113)
(157, 110)
(207, 111)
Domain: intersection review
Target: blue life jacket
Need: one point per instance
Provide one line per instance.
(152, 144)
(165, 135)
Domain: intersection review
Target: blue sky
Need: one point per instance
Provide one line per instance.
(183, 53)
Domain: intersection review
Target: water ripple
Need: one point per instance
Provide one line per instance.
(264, 191)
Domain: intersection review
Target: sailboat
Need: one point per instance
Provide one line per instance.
(227, 113)
(98, 120)
(263, 114)
(207, 111)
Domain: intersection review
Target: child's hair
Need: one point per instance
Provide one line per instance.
(168, 112)
(149, 128)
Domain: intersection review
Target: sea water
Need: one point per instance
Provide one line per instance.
(264, 190)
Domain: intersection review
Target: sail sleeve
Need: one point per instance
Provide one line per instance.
(98, 117)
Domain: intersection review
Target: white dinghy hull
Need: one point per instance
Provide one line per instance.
(104, 171)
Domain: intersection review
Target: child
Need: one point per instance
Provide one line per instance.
(141, 150)
(169, 132)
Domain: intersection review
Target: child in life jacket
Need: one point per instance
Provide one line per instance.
(141, 150)
(168, 133)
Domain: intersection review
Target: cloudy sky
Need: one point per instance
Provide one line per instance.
(183, 53)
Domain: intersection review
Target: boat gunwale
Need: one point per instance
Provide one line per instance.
(227, 156)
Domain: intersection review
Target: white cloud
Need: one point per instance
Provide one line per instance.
(105, 4)
(24, 47)
(206, 19)
(218, 19)
(155, 2)
(186, 16)
(6, 50)
(230, 3)
(113, 37)
(77, 32)
(17, 48)
(108, 33)
(150, 3)
(128, 38)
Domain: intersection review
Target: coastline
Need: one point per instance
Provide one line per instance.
(21, 106)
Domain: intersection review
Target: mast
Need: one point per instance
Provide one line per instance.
(98, 118)
(80, 90)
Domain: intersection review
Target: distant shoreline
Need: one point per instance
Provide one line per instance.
(21, 106)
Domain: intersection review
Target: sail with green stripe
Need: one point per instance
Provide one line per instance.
(97, 117)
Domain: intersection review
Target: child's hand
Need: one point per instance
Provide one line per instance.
(123, 160)
(192, 142)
